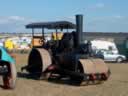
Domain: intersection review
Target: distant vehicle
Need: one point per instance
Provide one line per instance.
(102, 44)
(110, 56)
(1, 44)
(7, 69)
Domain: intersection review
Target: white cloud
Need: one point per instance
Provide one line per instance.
(13, 23)
(18, 18)
(115, 23)
(3, 20)
(119, 16)
(8, 19)
(71, 17)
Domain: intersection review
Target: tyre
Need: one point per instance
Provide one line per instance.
(119, 59)
(45, 76)
(77, 79)
(9, 80)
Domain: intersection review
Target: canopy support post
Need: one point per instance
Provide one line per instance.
(32, 36)
(56, 34)
(43, 33)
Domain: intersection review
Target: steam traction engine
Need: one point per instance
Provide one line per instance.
(68, 57)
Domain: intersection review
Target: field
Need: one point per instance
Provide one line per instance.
(117, 85)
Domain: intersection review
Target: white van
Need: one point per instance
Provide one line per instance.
(105, 45)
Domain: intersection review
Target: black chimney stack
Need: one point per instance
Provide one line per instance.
(79, 29)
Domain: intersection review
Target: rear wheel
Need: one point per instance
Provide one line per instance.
(119, 60)
(9, 80)
(78, 79)
(45, 76)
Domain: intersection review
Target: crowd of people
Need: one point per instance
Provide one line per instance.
(16, 43)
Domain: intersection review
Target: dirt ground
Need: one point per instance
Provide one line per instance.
(117, 85)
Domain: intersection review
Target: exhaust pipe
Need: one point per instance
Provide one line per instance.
(79, 29)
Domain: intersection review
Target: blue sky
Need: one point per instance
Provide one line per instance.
(99, 15)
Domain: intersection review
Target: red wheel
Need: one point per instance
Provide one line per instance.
(9, 80)
(104, 76)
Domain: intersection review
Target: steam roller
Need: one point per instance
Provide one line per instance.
(68, 57)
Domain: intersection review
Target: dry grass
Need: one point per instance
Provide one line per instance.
(117, 85)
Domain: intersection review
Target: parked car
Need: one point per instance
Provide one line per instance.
(110, 56)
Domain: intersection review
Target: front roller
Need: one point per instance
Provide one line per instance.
(94, 70)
